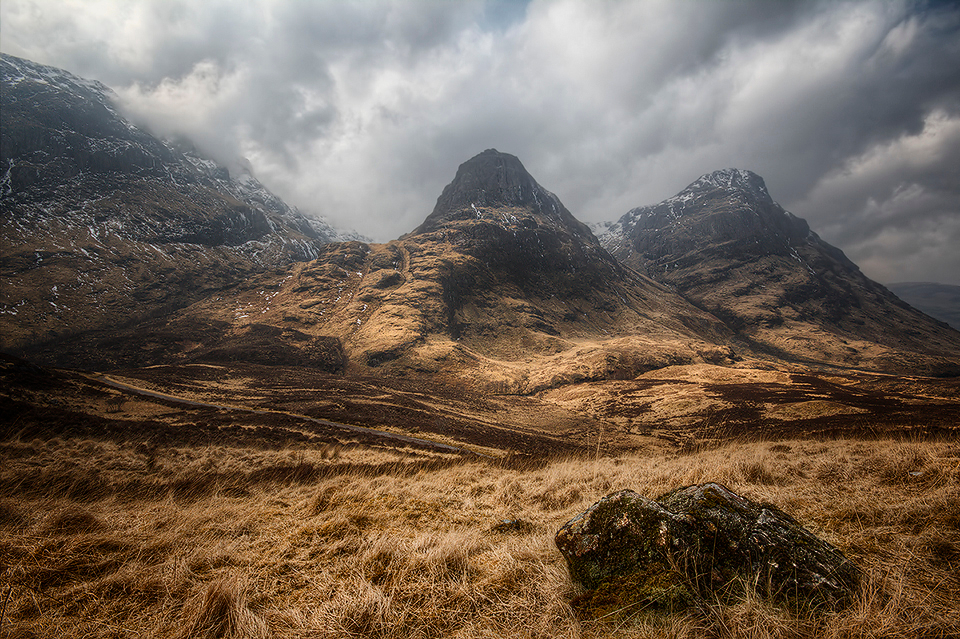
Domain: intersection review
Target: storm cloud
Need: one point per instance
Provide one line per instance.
(361, 112)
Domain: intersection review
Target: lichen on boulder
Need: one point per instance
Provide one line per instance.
(700, 542)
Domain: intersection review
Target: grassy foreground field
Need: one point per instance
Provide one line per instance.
(115, 539)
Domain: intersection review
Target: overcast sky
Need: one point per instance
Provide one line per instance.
(361, 112)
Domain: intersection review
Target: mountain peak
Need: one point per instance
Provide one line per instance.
(15, 70)
(490, 178)
(732, 180)
(493, 180)
(726, 245)
(742, 191)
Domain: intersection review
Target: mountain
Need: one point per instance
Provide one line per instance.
(727, 246)
(941, 301)
(122, 250)
(500, 287)
(104, 224)
(506, 237)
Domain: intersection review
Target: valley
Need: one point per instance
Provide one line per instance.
(673, 408)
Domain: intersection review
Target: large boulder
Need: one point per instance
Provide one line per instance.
(700, 542)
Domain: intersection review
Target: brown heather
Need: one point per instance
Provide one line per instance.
(99, 539)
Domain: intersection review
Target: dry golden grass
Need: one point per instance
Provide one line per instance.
(99, 539)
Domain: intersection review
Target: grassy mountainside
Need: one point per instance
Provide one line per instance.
(216, 501)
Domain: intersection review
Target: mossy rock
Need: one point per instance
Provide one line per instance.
(653, 588)
(701, 541)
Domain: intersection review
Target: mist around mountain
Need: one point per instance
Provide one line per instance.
(941, 301)
(103, 224)
(218, 414)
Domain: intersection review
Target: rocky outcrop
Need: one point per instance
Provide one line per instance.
(701, 541)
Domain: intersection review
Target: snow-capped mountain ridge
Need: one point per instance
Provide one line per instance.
(28, 70)
(84, 124)
(17, 70)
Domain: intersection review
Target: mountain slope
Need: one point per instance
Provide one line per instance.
(725, 244)
(500, 287)
(103, 223)
(500, 284)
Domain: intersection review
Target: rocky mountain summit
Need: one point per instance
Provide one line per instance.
(102, 223)
(726, 213)
(498, 181)
(727, 246)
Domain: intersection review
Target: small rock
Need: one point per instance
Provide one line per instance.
(697, 542)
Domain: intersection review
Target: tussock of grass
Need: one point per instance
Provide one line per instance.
(101, 539)
(11, 516)
(72, 520)
(219, 611)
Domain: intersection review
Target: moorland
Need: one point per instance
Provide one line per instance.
(216, 506)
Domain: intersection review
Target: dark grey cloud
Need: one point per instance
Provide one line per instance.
(362, 111)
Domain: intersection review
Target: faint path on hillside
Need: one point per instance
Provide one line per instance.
(407, 439)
